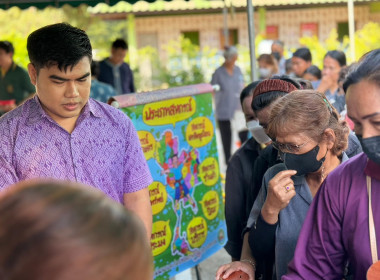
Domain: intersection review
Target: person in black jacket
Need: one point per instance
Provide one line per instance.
(239, 180)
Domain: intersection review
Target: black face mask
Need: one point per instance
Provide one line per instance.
(276, 55)
(371, 147)
(304, 163)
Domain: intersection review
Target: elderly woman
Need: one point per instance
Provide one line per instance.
(230, 79)
(343, 222)
(60, 231)
(311, 139)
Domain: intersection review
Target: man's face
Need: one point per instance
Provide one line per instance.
(63, 94)
(247, 109)
(299, 66)
(118, 55)
(5, 58)
(277, 48)
(263, 116)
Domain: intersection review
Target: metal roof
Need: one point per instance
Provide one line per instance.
(193, 5)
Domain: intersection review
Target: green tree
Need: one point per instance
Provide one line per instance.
(366, 39)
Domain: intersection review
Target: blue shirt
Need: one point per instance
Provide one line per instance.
(101, 91)
(227, 99)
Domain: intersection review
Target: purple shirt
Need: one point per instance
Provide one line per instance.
(336, 227)
(102, 151)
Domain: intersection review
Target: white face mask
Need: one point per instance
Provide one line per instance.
(264, 73)
(258, 132)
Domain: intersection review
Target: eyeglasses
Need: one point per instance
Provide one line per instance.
(290, 148)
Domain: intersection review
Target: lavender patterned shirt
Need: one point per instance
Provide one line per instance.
(103, 150)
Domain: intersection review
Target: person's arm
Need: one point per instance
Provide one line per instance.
(235, 207)
(320, 253)
(214, 81)
(8, 175)
(139, 203)
(246, 264)
(137, 178)
(262, 234)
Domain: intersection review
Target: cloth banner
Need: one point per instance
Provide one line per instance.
(176, 128)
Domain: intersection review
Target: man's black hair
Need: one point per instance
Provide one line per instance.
(248, 91)
(7, 46)
(367, 69)
(315, 71)
(303, 53)
(58, 44)
(120, 44)
(264, 100)
(339, 56)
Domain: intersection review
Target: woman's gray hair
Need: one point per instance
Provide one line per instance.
(230, 52)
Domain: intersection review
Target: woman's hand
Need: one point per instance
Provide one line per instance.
(327, 82)
(280, 191)
(227, 269)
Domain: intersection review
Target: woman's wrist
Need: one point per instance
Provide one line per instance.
(251, 262)
(269, 214)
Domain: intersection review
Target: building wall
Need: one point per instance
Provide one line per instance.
(166, 28)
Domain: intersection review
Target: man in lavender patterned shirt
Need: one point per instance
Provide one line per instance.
(62, 134)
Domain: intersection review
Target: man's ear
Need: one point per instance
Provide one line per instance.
(32, 73)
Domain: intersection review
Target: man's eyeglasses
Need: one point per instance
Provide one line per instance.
(288, 148)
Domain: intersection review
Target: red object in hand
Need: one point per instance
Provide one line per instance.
(238, 275)
(7, 102)
(373, 272)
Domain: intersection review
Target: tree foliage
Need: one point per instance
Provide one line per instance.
(183, 63)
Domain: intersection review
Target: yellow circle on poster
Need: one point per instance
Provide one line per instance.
(197, 232)
(209, 171)
(210, 204)
(161, 237)
(158, 197)
(199, 132)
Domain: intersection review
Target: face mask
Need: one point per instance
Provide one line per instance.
(371, 147)
(264, 72)
(304, 163)
(276, 55)
(258, 132)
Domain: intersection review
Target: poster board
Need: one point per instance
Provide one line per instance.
(176, 128)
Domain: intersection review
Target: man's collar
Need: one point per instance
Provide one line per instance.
(36, 111)
(12, 67)
(93, 108)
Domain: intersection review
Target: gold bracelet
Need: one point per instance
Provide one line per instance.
(250, 262)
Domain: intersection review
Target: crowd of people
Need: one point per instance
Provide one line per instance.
(300, 192)
(111, 76)
(49, 229)
(302, 203)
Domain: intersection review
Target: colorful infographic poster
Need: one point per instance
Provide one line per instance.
(178, 140)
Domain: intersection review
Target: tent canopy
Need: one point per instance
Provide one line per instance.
(40, 4)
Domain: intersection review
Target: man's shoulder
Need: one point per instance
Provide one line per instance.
(18, 70)
(125, 66)
(18, 115)
(106, 111)
(95, 84)
(103, 63)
